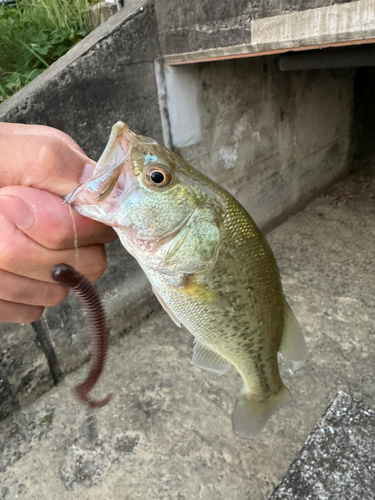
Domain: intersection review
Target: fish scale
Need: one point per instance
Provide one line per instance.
(208, 263)
(237, 334)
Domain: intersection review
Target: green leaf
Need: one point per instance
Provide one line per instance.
(82, 33)
(43, 50)
(60, 36)
(61, 50)
(13, 80)
(35, 54)
(33, 74)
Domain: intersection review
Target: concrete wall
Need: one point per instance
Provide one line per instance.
(272, 139)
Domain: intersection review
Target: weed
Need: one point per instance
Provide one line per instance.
(34, 34)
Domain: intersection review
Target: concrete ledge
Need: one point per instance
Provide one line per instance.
(335, 23)
(248, 50)
(337, 461)
(24, 371)
(333, 26)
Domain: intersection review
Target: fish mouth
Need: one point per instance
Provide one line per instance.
(112, 178)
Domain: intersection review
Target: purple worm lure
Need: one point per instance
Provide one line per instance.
(90, 301)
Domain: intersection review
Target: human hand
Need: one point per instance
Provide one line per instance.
(38, 166)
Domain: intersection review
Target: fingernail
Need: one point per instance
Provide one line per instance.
(87, 171)
(16, 211)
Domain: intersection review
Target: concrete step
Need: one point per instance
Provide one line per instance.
(337, 461)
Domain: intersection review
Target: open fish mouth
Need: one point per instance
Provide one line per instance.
(112, 179)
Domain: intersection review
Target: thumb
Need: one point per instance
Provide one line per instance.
(43, 218)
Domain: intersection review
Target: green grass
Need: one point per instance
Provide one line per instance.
(34, 34)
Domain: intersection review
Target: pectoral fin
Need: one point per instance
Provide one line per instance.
(206, 358)
(293, 347)
(196, 246)
(166, 308)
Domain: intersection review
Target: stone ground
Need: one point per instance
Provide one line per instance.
(167, 432)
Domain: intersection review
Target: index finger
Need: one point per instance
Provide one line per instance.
(22, 129)
(41, 161)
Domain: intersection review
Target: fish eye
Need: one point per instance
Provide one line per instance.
(158, 176)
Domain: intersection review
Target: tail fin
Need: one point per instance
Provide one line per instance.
(250, 413)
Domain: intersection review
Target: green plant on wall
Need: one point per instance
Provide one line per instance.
(34, 34)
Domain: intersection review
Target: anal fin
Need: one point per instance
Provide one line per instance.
(166, 308)
(207, 359)
(293, 347)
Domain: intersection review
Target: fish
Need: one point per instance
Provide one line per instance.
(209, 265)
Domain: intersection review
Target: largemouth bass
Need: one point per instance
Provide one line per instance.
(209, 265)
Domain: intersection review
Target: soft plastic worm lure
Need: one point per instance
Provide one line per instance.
(90, 301)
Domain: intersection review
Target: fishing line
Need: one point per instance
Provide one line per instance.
(76, 251)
